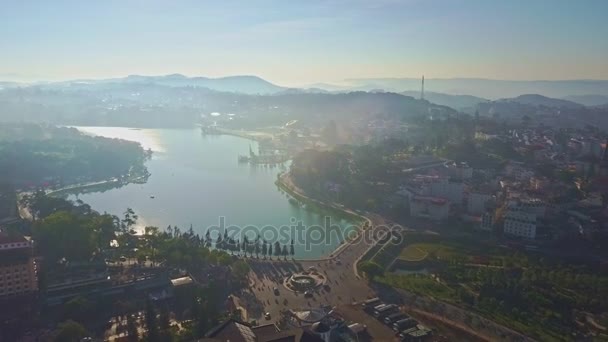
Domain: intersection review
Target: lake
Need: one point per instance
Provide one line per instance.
(197, 181)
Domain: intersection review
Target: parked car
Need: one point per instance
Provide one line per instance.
(276, 291)
(370, 303)
(404, 334)
(390, 319)
(404, 324)
(385, 311)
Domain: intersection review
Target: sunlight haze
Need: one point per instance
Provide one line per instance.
(294, 43)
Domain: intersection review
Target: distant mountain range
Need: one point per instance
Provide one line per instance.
(142, 102)
(539, 100)
(237, 84)
(463, 94)
(542, 109)
(485, 88)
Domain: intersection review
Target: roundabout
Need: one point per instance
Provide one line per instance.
(304, 281)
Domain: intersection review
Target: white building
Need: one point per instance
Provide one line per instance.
(477, 202)
(433, 208)
(520, 223)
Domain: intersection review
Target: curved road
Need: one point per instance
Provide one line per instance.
(345, 285)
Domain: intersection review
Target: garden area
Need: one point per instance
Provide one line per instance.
(540, 297)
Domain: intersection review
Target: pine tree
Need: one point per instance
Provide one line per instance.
(191, 232)
(256, 248)
(277, 248)
(245, 245)
(264, 249)
(284, 252)
(270, 251)
(219, 243)
(292, 250)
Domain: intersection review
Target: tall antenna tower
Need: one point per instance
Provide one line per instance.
(422, 91)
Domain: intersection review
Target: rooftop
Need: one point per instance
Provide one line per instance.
(11, 238)
(181, 281)
(236, 331)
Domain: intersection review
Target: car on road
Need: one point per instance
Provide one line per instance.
(123, 259)
(276, 291)
(390, 319)
(267, 316)
(308, 294)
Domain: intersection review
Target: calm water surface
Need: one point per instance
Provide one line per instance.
(196, 180)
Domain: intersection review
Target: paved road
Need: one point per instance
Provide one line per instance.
(345, 286)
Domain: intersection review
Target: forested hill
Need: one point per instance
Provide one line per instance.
(152, 105)
(35, 155)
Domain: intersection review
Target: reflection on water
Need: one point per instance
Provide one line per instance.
(148, 138)
(196, 180)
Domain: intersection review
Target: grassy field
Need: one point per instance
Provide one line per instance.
(413, 253)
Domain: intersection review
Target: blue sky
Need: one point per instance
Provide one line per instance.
(297, 42)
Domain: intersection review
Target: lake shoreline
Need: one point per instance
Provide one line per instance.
(285, 182)
(198, 182)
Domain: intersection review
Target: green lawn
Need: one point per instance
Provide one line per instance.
(413, 253)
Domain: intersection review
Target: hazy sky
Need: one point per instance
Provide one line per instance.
(296, 42)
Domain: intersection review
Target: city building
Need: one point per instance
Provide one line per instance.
(17, 266)
(460, 171)
(433, 208)
(531, 205)
(453, 191)
(520, 224)
(477, 202)
(487, 221)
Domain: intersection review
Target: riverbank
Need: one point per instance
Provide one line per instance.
(99, 185)
(285, 183)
